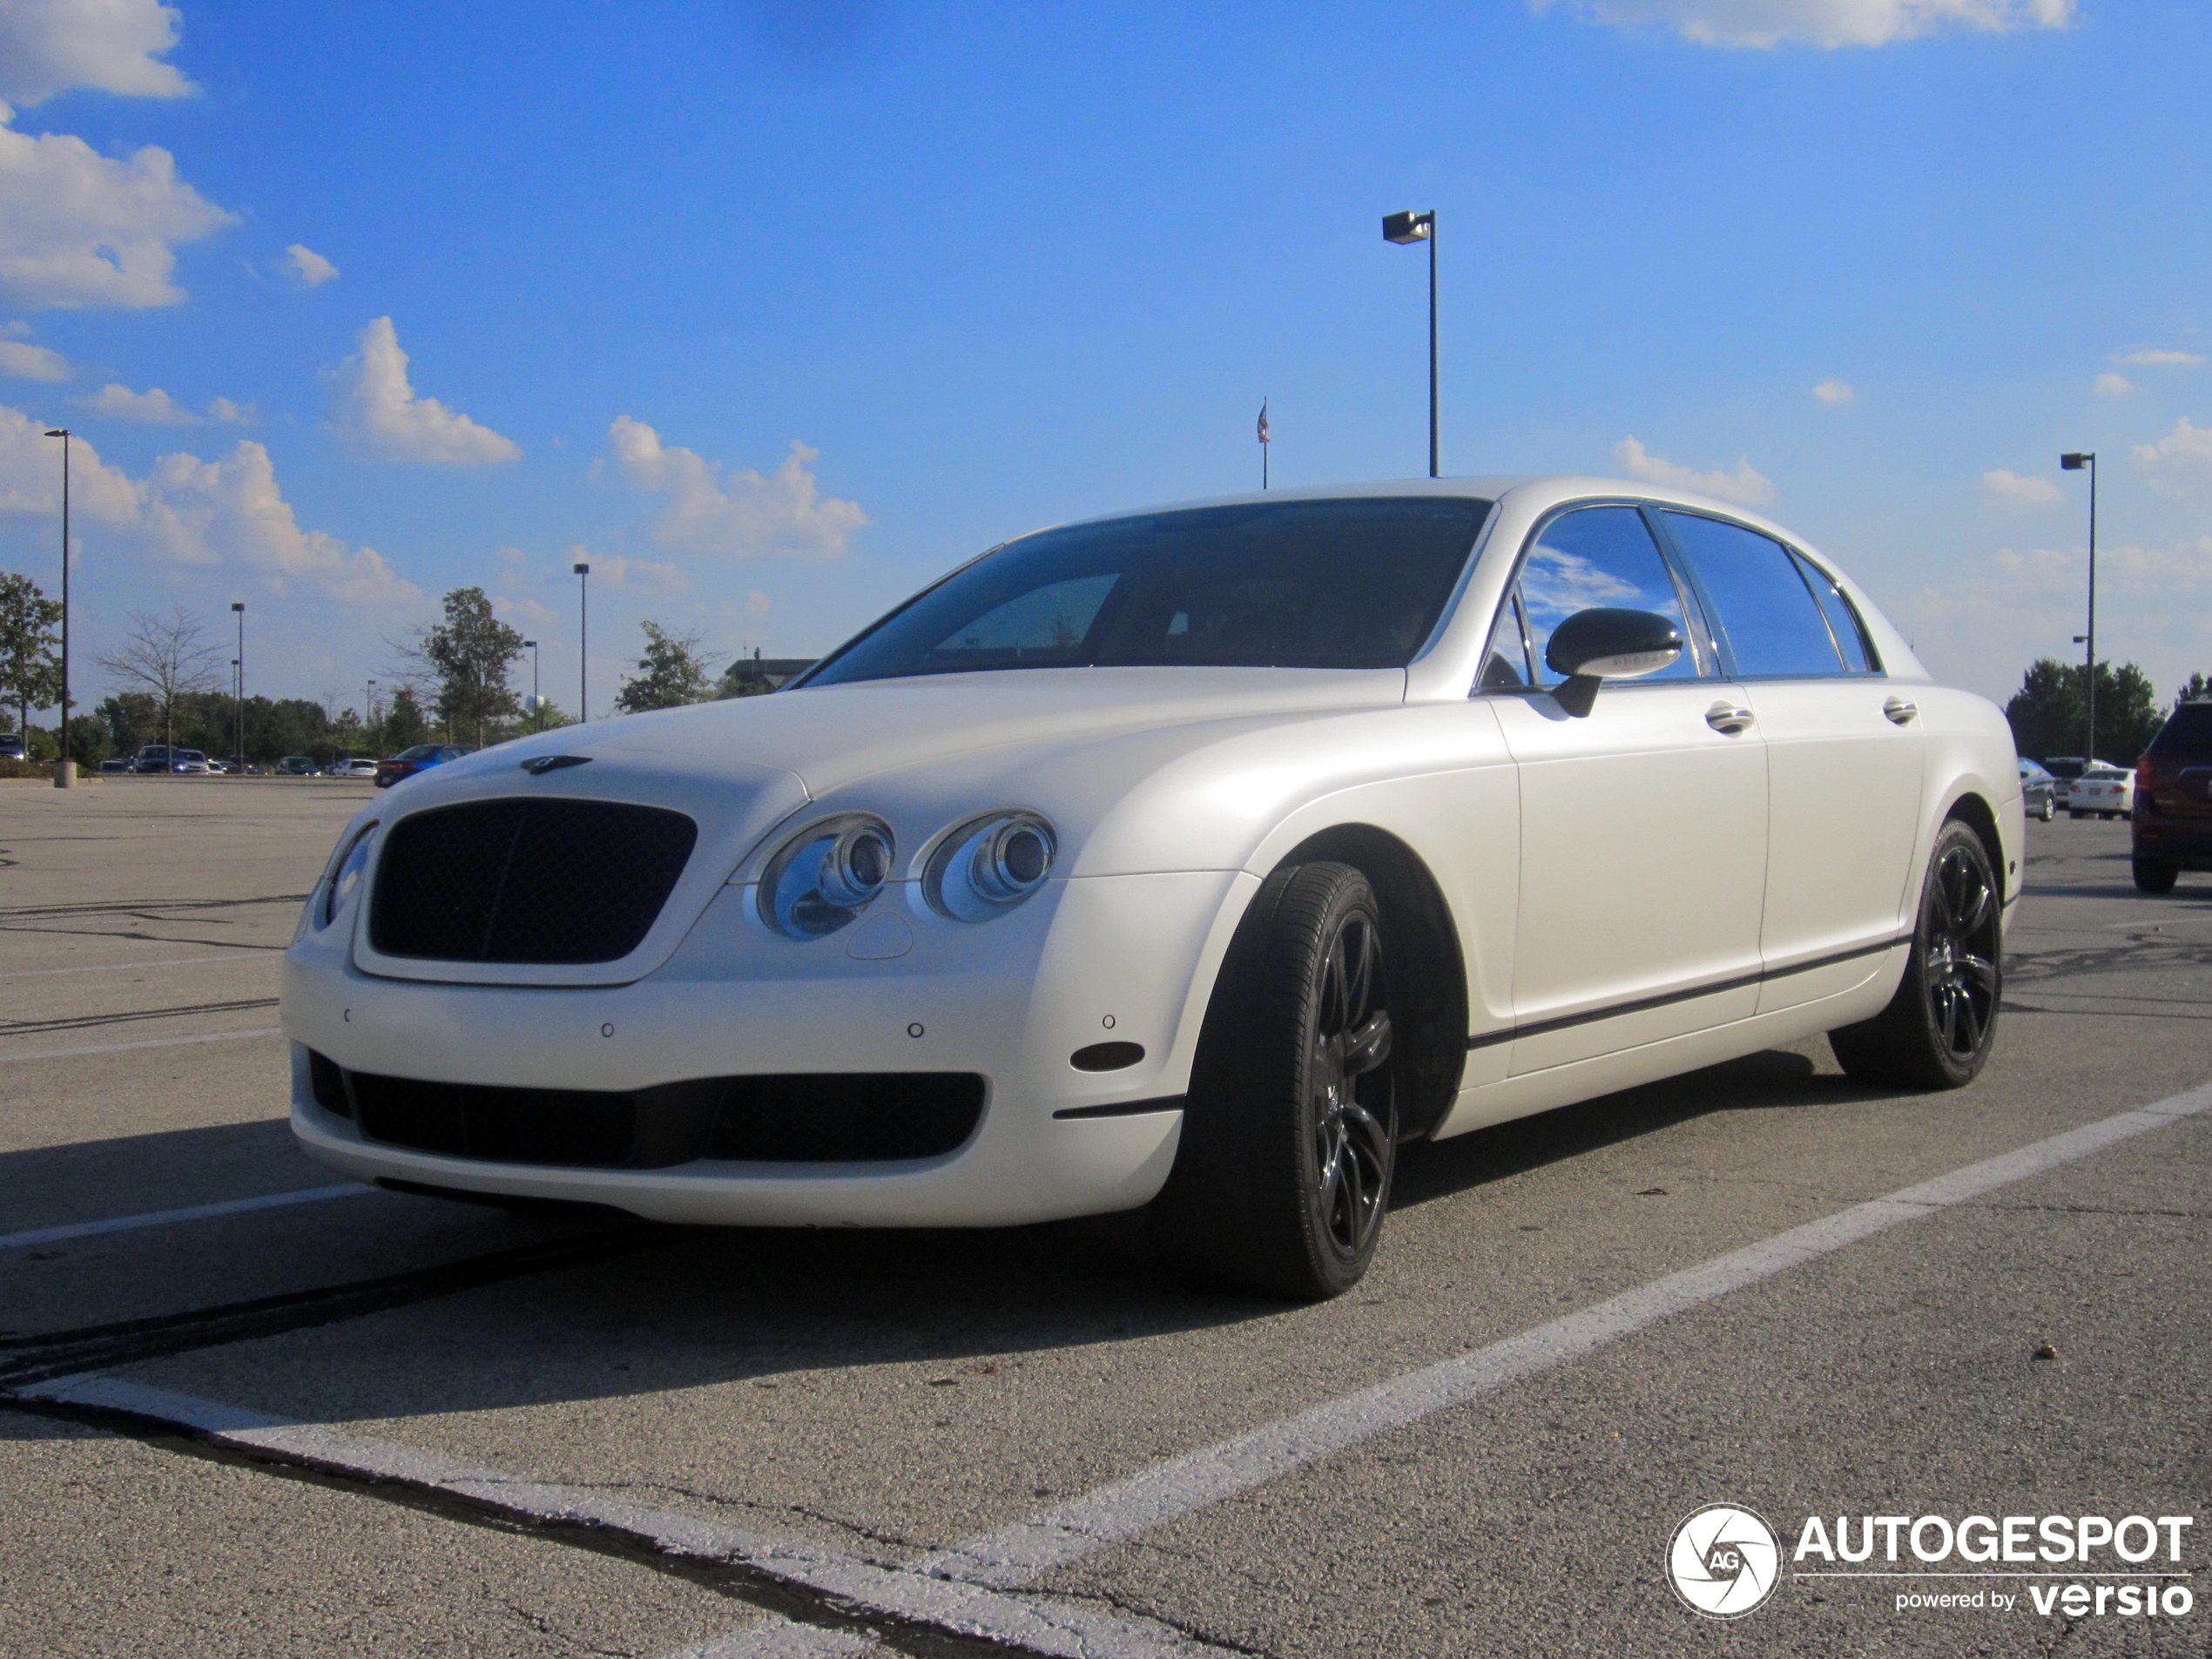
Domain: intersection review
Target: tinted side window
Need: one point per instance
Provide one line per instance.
(1598, 556)
(1843, 621)
(1763, 608)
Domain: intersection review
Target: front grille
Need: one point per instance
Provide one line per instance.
(853, 1117)
(527, 881)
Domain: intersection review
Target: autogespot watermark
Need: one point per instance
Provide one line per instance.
(1724, 1562)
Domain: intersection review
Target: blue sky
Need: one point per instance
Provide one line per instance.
(581, 277)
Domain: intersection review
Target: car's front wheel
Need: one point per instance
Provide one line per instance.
(1937, 1031)
(1289, 1139)
(2050, 810)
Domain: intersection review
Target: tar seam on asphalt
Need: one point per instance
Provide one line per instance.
(85, 1022)
(969, 1581)
(45, 1355)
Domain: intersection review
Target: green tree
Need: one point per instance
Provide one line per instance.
(467, 657)
(90, 742)
(405, 725)
(167, 659)
(2047, 715)
(673, 671)
(2199, 686)
(30, 663)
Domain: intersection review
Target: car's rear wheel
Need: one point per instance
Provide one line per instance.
(1937, 1031)
(2152, 875)
(1281, 1176)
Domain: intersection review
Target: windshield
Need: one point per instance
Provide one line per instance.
(1295, 584)
(2188, 732)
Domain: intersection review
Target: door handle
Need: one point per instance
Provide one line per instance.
(1901, 709)
(1729, 718)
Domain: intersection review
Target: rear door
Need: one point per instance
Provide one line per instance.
(1845, 756)
(1642, 824)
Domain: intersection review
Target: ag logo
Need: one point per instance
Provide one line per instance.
(1724, 1561)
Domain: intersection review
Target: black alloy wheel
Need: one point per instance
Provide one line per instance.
(1281, 1176)
(1937, 1031)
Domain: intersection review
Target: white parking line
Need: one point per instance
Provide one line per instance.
(244, 953)
(973, 1587)
(195, 1212)
(154, 1043)
(1033, 1624)
(1170, 1490)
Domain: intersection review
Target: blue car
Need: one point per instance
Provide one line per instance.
(421, 758)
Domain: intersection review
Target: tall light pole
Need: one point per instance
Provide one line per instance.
(538, 703)
(64, 769)
(583, 642)
(2074, 463)
(238, 608)
(1404, 229)
(369, 706)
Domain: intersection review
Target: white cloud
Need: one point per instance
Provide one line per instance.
(1835, 391)
(78, 228)
(2110, 385)
(226, 514)
(651, 576)
(152, 407)
(2180, 462)
(306, 268)
(1818, 23)
(378, 417)
(2003, 489)
(740, 515)
(1743, 485)
(2151, 358)
(49, 46)
(25, 362)
(221, 408)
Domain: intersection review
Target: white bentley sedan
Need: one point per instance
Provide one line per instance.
(1195, 858)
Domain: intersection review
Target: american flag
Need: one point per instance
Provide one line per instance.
(1262, 422)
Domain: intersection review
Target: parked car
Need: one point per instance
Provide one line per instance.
(193, 762)
(2105, 789)
(2067, 768)
(2173, 829)
(116, 764)
(296, 766)
(2039, 791)
(11, 745)
(351, 766)
(1193, 859)
(421, 758)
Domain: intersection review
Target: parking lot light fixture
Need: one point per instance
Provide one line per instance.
(238, 676)
(64, 769)
(2077, 462)
(583, 641)
(1403, 229)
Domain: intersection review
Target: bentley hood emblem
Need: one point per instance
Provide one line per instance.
(539, 765)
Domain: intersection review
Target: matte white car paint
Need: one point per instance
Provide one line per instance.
(1638, 857)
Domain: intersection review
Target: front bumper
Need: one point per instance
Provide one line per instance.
(1125, 958)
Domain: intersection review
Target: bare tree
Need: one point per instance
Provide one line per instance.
(164, 657)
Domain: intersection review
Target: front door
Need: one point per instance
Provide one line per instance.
(1643, 825)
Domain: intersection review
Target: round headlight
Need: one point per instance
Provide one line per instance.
(985, 868)
(825, 875)
(345, 879)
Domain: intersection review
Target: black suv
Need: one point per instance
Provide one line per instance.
(2174, 799)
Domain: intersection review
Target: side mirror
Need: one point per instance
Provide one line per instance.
(1604, 643)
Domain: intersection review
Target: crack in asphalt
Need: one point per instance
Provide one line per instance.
(895, 1541)
(80, 1022)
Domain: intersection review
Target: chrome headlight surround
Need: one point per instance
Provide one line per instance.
(342, 879)
(989, 865)
(823, 877)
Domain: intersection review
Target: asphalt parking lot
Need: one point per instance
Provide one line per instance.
(362, 1423)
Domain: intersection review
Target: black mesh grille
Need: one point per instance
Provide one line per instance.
(852, 1117)
(527, 881)
(858, 1118)
(328, 1083)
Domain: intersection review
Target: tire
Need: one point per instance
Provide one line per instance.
(1937, 1031)
(2050, 811)
(2152, 876)
(1281, 1176)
